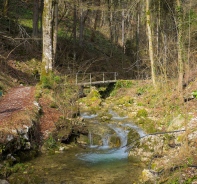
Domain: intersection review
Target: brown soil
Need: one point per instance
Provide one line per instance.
(17, 100)
(49, 118)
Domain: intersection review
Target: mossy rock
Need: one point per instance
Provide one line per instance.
(146, 124)
(64, 134)
(126, 100)
(83, 139)
(94, 93)
(95, 140)
(115, 141)
(123, 84)
(105, 116)
(27, 155)
(133, 136)
(63, 123)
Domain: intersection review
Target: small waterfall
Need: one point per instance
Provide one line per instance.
(104, 153)
(105, 141)
(138, 129)
(122, 134)
(87, 116)
(90, 139)
(115, 116)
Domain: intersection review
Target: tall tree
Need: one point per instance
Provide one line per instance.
(55, 28)
(179, 11)
(49, 34)
(97, 19)
(150, 41)
(35, 17)
(5, 7)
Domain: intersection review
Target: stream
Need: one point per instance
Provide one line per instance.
(97, 164)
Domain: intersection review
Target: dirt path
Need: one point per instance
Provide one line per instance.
(18, 99)
(16, 106)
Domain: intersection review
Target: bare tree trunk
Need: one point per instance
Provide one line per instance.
(55, 28)
(164, 37)
(110, 19)
(96, 21)
(81, 25)
(83, 18)
(150, 40)
(180, 45)
(123, 31)
(5, 7)
(137, 40)
(74, 30)
(35, 18)
(158, 26)
(41, 14)
(47, 56)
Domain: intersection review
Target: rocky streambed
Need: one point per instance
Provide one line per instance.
(112, 143)
(100, 156)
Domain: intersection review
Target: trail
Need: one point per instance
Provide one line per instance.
(16, 100)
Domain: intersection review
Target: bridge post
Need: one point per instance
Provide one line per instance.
(115, 75)
(103, 77)
(90, 78)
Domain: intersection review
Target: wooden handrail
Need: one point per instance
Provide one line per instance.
(92, 78)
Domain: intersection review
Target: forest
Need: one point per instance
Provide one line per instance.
(150, 46)
(138, 39)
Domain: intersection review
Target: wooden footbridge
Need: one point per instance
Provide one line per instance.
(88, 79)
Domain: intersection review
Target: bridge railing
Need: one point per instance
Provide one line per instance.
(95, 78)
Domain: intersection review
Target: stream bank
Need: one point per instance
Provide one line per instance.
(169, 150)
(101, 159)
(157, 157)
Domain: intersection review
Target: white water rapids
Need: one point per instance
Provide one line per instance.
(104, 153)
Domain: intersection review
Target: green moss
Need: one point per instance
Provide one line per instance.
(94, 93)
(123, 84)
(194, 93)
(51, 143)
(146, 124)
(104, 116)
(46, 82)
(126, 100)
(142, 113)
(93, 100)
(115, 141)
(96, 139)
(133, 135)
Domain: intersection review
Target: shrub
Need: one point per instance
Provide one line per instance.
(94, 93)
(123, 84)
(57, 79)
(50, 80)
(46, 82)
(51, 143)
(194, 93)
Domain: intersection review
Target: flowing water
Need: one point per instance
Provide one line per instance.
(104, 153)
(97, 164)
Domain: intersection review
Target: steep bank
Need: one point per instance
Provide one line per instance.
(19, 128)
